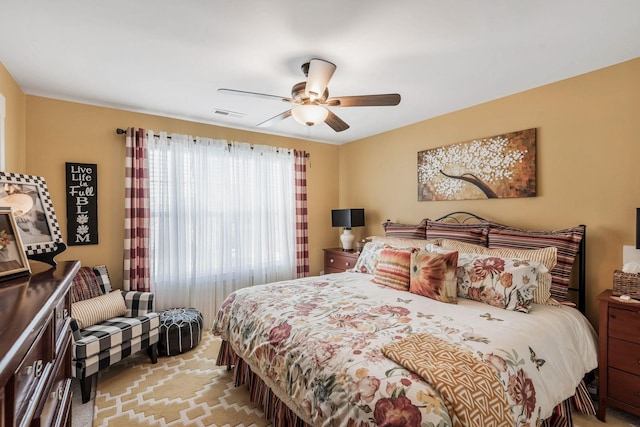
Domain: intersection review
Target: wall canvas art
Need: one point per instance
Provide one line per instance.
(501, 166)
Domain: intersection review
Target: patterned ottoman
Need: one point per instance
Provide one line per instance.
(180, 330)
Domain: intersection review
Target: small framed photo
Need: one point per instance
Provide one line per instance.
(13, 259)
(32, 207)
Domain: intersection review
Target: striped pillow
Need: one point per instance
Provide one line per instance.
(476, 233)
(399, 242)
(85, 285)
(545, 256)
(393, 269)
(406, 231)
(566, 241)
(98, 309)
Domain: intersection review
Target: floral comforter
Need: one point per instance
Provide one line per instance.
(316, 342)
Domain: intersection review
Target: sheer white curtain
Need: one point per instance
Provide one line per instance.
(222, 218)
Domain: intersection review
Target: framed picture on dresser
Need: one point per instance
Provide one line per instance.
(13, 260)
(35, 217)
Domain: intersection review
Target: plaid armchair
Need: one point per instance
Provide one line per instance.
(105, 342)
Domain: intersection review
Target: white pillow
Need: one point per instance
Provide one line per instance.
(98, 309)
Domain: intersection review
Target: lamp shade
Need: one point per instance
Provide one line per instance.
(347, 218)
(309, 114)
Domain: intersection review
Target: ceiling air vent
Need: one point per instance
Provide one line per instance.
(227, 113)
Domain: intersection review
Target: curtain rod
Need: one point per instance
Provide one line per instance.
(121, 131)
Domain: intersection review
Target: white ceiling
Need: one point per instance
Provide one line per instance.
(169, 57)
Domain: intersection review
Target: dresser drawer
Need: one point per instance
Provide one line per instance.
(624, 324)
(53, 401)
(337, 261)
(624, 355)
(624, 387)
(33, 370)
(62, 312)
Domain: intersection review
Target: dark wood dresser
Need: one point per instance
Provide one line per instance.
(35, 345)
(619, 364)
(337, 261)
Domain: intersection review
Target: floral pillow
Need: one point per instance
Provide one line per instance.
(433, 275)
(393, 269)
(368, 258)
(545, 256)
(502, 282)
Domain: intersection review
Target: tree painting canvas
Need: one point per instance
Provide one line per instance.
(501, 166)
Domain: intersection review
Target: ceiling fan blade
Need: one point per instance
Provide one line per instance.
(320, 72)
(364, 100)
(254, 94)
(335, 122)
(275, 119)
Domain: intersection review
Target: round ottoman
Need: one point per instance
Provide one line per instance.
(180, 330)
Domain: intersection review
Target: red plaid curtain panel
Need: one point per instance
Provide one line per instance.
(302, 226)
(136, 275)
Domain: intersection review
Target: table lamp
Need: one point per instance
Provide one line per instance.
(347, 218)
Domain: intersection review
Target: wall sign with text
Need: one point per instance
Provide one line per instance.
(82, 204)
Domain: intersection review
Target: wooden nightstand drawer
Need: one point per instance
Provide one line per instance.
(624, 324)
(341, 262)
(624, 355)
(624, 387)
(337, 261)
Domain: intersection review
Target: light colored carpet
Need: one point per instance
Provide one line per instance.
(190, 390)
(81, 413)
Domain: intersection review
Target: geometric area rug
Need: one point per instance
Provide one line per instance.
(183, 390)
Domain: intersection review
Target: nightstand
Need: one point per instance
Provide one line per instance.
(619, 364)
(337, 261)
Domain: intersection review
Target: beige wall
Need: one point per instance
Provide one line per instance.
(15, 102)
(588, 151)
(59, 132)
(587, 155)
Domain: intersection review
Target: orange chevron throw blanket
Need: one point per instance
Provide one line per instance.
(471, 390)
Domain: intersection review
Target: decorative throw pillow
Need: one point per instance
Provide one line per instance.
(405, 231)
(502, 282)
(566, 241)
(433, 275)
(545, 256)
(368, 258)
(399, 242)
(393, 269)
(85, 285)
(98, 309)
(469, 233)
(102, 276)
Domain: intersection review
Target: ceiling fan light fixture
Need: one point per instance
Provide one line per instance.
(320, 72)
(309, 114)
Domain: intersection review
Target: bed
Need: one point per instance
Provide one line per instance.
(357, 349)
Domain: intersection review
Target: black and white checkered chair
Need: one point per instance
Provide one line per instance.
(102, 343)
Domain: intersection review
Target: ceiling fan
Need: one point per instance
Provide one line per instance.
(311, 98)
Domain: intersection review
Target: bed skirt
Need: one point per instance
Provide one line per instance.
(281, 415)
(274, 408)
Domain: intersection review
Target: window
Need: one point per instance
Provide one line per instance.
(222, 218)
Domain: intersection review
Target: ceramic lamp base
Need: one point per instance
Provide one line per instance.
(347, 240)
